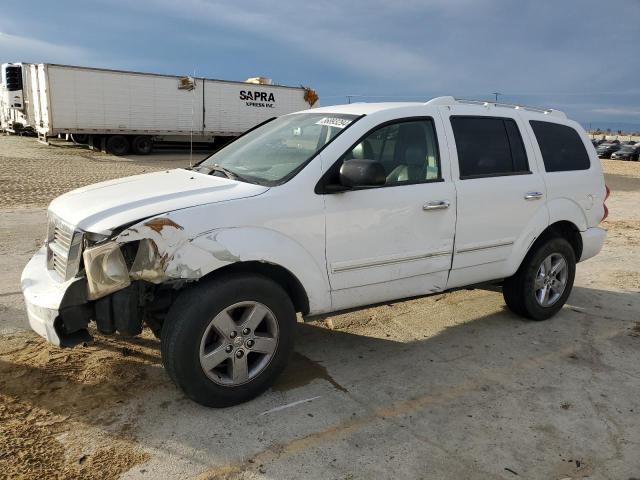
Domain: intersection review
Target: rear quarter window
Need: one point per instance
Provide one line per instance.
(561, 146)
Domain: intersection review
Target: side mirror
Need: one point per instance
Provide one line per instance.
(362, 173)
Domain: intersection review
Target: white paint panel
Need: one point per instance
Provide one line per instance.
(226, 111)
(103, 100)
(35, 94)
(85, 99)
(44, 102)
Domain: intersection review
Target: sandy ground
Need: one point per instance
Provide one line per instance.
(449, 386)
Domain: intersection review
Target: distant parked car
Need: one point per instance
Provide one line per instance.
(629, 142)
(605, 150)
(627, 152)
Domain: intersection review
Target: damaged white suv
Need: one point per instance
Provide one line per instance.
(316, 212)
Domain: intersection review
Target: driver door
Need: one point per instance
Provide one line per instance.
(396, 240)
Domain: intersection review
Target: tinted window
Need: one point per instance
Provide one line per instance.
(407, 150)
(488, 146)
(561, 147)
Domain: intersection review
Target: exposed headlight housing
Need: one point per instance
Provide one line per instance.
(106, 270)
(93, 238)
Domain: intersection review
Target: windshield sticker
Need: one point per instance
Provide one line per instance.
(334, 122)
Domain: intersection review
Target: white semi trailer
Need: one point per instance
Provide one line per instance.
(123, 111)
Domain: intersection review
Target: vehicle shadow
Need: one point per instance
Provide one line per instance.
(341, 375)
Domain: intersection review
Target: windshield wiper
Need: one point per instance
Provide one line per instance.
(212, 169)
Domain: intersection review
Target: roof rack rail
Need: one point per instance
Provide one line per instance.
(448, 100)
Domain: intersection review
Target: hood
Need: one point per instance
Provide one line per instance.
(101, 207)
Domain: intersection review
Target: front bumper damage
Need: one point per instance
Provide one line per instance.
(165, 259)
(48, 301)
(60, 311)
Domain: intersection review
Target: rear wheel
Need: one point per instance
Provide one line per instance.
(225, 340)
(118, 145)
(142, 145)
(543, 282)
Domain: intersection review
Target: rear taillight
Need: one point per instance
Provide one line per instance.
(604, 205)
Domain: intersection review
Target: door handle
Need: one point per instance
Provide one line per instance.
(437, 205)
(533, 195)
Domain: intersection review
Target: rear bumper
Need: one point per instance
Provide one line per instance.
(592, 241)
(44, 297)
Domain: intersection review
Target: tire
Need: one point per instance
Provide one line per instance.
(80, 138)
(142, 145)
(524, 292)
(117, 145)
(191, 333)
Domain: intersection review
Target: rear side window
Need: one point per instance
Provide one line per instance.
(561, 147)
(488, 147)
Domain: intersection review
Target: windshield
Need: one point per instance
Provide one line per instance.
(276, 151)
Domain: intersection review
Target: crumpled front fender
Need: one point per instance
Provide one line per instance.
(167, 253)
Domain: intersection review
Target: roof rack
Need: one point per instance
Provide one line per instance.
(448, 100)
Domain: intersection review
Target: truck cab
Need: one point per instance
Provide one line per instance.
(315, 212)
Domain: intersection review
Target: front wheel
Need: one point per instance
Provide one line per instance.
(225, 340)
(543, 282)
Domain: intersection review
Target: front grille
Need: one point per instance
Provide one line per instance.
(64, 248)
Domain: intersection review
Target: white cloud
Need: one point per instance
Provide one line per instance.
(626, 111)
(328, 33)
(15, 48)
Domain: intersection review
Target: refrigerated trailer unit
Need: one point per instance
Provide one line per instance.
(16, 105)
(131, 110)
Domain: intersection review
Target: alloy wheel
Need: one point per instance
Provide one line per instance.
(551, 279)
(239, 343)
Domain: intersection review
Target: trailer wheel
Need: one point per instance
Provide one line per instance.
(80, 138)
(142, 145)
(118, 145)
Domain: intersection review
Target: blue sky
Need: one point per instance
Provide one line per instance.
(580, 56)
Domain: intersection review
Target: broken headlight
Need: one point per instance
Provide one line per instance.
(106, 270)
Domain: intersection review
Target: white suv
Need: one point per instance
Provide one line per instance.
(315, 212)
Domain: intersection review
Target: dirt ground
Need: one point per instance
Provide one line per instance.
(449, 386)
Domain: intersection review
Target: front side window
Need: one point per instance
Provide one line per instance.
(408, 151)
(488, 147)
(561, 147)
(275, 151)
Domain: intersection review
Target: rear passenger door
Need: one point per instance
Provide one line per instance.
(500, 193)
